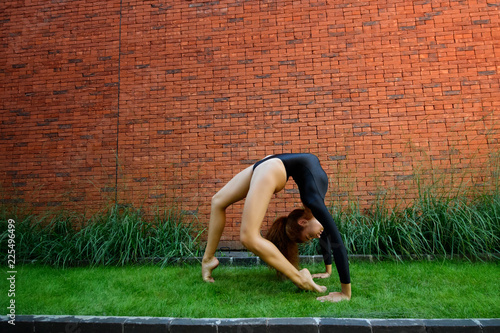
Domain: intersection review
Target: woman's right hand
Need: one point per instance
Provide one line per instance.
(307, 282)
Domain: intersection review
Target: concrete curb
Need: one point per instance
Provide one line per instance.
(91, 324)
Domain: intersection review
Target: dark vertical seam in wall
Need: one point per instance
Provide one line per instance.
(118, 106)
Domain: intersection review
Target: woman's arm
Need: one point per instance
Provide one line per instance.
(321, 213)
(326, 251)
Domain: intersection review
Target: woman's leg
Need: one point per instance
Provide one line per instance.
(265, 182)
(235, 190)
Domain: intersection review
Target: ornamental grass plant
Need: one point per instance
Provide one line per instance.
(444, 220)
(457, 226)
(443, 226)
(115, 237)
(450, 216)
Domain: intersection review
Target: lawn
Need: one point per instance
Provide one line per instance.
(449, 289)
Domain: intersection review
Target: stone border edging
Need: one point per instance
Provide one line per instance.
(242, 258)
(248, 259)
(91, 324)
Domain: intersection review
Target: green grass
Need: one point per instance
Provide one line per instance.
(447, 289)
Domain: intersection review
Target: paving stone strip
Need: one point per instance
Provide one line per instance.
(91, 324)
(241, 258)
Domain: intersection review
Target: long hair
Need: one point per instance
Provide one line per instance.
(286, 232)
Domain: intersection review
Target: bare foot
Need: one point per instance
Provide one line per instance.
(334, 297)
(308, 283)
(207, 267)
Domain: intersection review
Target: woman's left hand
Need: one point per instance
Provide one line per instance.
(326, 274)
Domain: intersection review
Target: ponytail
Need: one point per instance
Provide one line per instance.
(285, 233)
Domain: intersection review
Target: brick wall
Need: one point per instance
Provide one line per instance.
(159, 103)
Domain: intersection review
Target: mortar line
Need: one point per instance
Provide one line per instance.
(118, 101)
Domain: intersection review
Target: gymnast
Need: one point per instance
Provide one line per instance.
(257, 184)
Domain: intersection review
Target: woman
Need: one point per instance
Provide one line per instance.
(257, 184)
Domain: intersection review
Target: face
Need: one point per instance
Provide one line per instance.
(312, 229)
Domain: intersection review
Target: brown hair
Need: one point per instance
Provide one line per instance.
(286, 232)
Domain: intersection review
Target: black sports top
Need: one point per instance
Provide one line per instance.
(312, 181)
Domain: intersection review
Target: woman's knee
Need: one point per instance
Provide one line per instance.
(219, 202)
(249, 240)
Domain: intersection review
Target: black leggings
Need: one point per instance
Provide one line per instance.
(312, 181)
